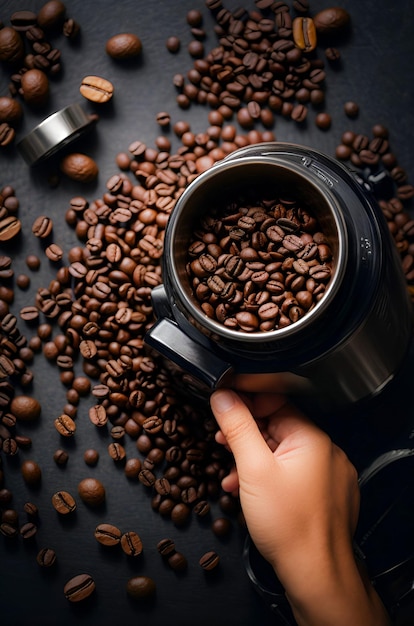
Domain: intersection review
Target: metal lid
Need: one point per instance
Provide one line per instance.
(53, 133)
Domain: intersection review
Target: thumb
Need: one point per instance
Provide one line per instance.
(237, 424)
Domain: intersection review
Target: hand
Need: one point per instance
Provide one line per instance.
(300, 499)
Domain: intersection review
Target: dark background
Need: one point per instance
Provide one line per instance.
(376, 72)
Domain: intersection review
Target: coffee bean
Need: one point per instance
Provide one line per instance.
(91, 491)
(10, 227)
(60, 457)
(96, 89)
(79, 588)
(173, 44)
(178, 562)
(65, 425)
(31, 509)
(116, 451)
(221, 526)
(79, 167)
(7, 136)
(331, 21)
(209, 561)
(63, 502)
(28, 530)
(11, 45)
(351, 109)
(25, 408)
(141, 587)
(108, 534)
(46, 557)
(166, 547)
(124, 46)
(91, 457)
(31, 472)
(131, 543)
(304, 33)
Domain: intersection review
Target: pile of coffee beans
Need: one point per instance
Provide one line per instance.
(258, 264)
(373, 156)
(264, 63)
(31, 60)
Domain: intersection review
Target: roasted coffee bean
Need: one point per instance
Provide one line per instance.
(209, 561)
(79, 167)
(28, 530)
(46, 557)
(124, 46)
(31, 509)
(131, 543)
(304, 33)
(177, 561)
(25, 408)
(79, 588)
(11, 45)
(221, 526)
(166, 547)
(63, 502)
(65, 425)
(31, 472)
(10, 227)
(116, 451)
(7, 135)
(60, 457)
(108, 534)
(96, 89)
(98, 415)
(91, 457)
(331, 21)
(141, 587)
(91, 491)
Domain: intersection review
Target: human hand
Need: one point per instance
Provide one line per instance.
(300, 498)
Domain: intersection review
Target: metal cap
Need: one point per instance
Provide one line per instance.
(53, 133)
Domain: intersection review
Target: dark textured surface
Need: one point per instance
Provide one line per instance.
(376, 72)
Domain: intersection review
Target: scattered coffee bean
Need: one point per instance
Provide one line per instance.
(79, 588)
(28, 530)
(46, 557)
(91, 457)
(166, 547)
(351, 109)
(91, 491)
(34, 87)
(31, 472)
(124, 46)
(42, 226)
(331, 20)
(221, 526)
(25, 408)
(60, 457)
(131, 543)
(177, 561)
(209, 561)
(108, 534)
(141, 587)
(79, 167)
(63, 502)
(173, 44)
(65, 425)
(31, 509)
(323, 121)
(96, 89)
(10, 227)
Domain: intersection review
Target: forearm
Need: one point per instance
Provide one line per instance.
(329, 592)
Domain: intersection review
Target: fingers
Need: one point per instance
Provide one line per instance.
(236, 423)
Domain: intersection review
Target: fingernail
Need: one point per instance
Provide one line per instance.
(222, 400)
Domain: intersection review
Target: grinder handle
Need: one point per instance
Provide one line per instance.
(206, 370)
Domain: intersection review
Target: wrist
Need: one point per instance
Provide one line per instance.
(327, 588)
